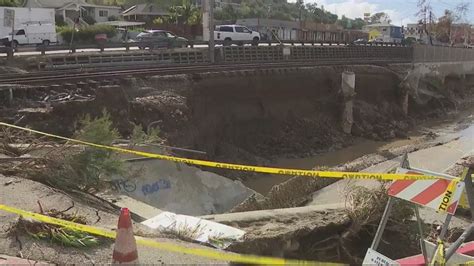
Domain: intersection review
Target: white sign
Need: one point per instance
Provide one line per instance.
(286, 51)
(374, 258)
(8, 17)
(216, 234)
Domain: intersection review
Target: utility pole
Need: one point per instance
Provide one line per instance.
(431, 27)
(301, 6)
(208, 27)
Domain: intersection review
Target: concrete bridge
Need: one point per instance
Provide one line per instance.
(317, 54)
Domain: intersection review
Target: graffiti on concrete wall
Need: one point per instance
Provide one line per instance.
(124, 185)
(128, 186)
(156, 186)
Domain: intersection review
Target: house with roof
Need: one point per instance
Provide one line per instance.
(146, 12)
(384, 32)
(70, 10)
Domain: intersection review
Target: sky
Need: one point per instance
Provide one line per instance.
(401, 12)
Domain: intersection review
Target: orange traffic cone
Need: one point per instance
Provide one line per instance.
(125, 248)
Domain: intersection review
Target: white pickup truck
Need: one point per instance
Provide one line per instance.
(226, 34)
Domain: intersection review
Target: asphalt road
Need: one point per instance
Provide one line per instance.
(24, 194)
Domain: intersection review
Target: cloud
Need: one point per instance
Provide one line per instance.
(356, 9)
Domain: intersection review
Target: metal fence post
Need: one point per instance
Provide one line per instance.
(378, 235)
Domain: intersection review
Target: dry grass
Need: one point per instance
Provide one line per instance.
(364, 207)
(184, 232)
(53, 233)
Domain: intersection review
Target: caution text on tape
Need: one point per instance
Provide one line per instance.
(200, 252)
(239, 167)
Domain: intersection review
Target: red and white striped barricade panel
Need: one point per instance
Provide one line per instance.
(442, 194)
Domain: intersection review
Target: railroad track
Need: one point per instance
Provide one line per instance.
(100, 74)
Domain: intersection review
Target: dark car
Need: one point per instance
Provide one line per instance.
(160, 39)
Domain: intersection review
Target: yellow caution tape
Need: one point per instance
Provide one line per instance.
(448, 195)
(205, 253)
(464, 202)
(439, 256)
(239, 167)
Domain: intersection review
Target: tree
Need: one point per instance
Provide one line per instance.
(443, 27)
(358, 24)
(452, 26)
(186, 13)
(320, 15)
(380, 17)
(12, 3)
(227, 13)
(461, 30)
(425, 13)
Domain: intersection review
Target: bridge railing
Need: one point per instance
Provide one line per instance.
(425, 53)
(233, 54)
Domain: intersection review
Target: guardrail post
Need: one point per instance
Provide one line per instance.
(127, 47)
(43, 50)
(10, 52)
(101, 47)
(73, 49)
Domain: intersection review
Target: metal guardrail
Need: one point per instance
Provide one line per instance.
(160, 56)
(327, 53)
(269, 52)
(127, 45)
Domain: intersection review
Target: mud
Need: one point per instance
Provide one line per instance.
(256, 117)
(249, 117)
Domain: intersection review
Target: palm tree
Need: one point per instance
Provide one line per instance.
(186, 13)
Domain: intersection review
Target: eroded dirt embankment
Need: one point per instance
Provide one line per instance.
(251, 117)
(244, 116)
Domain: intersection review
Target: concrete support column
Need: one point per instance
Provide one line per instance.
(206, 16)
(405, 102)
(348, 92)
(404, 88)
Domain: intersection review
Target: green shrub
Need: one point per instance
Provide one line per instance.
(87, 34)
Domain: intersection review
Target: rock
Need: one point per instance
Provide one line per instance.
(357, 130)
(401, 134)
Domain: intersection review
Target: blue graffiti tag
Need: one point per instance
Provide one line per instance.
(155, 187)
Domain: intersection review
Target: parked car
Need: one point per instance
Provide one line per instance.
(225, 34)
(360, 41)
(37, 33)
(160, 39)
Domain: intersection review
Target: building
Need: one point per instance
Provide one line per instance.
(415, 31)
(471, 41)
(281, 30)
(461, 34)
(70, 10)
(384, 32)
(144, 13)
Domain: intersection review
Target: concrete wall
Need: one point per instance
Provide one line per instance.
(180, 188)
(441, 54)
